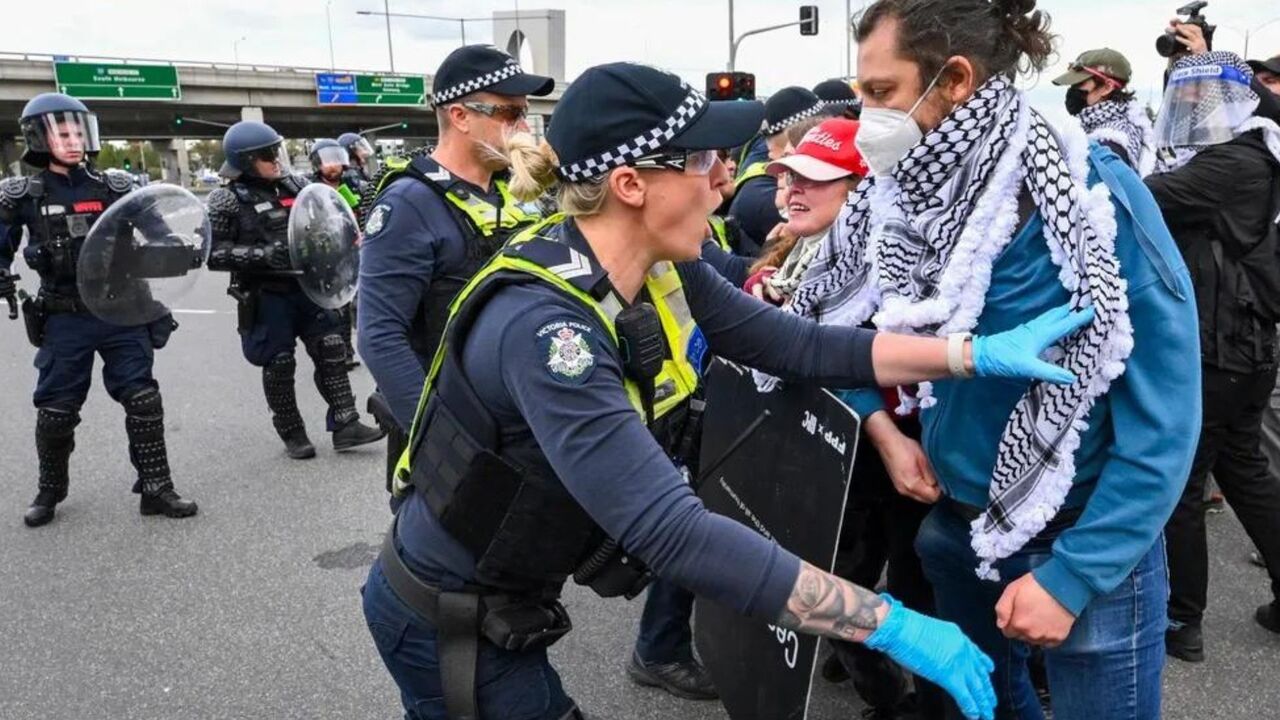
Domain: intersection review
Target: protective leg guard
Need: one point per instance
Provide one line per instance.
(55, 439)
(277, 384)
(329, 352)
(144, 425)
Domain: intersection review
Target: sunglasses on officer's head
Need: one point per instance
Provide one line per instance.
(505, 113)
(692, 162)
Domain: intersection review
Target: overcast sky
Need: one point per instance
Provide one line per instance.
(689, 37)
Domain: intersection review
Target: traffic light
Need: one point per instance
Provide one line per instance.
(128, 165)
(177, 120)
(808, 19)
(404, 125)
(731, 86)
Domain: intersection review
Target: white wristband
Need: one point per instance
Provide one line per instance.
(955, 355)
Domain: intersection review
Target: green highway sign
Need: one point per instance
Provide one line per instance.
(353, 89)
(117, 82)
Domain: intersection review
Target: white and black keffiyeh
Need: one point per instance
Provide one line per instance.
(913, 252)
(1126, 124)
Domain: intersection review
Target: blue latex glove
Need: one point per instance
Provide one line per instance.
(1016, 353)
(940, 653)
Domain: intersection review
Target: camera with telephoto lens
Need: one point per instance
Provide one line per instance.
(1167, 44)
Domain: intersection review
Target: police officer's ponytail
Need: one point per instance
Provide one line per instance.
(533, 173)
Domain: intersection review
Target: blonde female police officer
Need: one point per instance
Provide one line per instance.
(531, 444)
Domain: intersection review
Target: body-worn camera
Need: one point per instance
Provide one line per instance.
(1167, 44)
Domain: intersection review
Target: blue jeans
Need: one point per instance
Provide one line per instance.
(65, 360)
(509, 685)
(1108, 668)
(664, 635)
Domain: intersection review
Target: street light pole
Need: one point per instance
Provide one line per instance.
(329, 20)
(848, 38)
(386, 9)
(733, 49)
(1253, 30)
(235, 49)
(732, 44)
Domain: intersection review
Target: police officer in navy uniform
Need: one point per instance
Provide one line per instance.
(566, 370)
(435, 220)
(364, 161)
(57, 206)
(249, 218)
(838, 99)
(754, 205)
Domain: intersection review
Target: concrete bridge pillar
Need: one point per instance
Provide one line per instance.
(175, 163)
(249, 112)
(10, 155)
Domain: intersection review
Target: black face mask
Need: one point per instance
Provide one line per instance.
(1077, 100)
(1268, 102)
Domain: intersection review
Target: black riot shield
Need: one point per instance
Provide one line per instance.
(779, 463)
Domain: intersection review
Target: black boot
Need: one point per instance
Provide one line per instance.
(277, 384)
(1268, 616)
(354, 434)
(1185, 642)
(144, 424)
(688, 680)
(334, 385)
(55, 439)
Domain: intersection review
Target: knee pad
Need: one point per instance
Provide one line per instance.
(282, 366)
(145, 404)
(54, 422)
(328, 349)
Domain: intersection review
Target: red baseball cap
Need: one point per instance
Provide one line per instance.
(826, 153)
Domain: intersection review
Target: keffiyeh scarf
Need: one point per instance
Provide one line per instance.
(913, 253)
(1125, 124)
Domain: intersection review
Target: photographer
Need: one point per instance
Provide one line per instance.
(1220, 198)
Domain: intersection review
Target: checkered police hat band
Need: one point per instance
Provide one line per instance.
(799, 117)
(476, 84)
(641, 145)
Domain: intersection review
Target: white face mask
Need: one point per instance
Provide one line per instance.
(885, 135)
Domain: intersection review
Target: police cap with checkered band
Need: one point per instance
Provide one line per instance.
(622, 111)
(475, 68)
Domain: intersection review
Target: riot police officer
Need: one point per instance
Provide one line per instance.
(566, 369)
(435, 220)
(249, 218)
(331, 165)
(364, 161)
(57, 206)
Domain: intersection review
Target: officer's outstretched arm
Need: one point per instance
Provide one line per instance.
(745, 330)
(823, 604)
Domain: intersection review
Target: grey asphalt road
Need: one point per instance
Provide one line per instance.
(251, 609)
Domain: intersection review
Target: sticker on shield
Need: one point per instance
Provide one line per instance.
(377, 219)
(567, 350)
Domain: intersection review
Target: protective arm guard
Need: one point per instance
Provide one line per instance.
(12, 192)
(227, 254)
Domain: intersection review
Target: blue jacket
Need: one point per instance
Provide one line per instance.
(1134, 458)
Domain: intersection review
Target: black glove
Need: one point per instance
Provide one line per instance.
(278, 257)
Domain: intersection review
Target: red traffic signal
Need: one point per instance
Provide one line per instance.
(731, 86)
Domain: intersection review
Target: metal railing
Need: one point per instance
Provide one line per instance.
(253, 67)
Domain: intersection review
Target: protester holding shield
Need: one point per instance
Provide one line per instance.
(58, 206)
(539, 437)
(278, 302)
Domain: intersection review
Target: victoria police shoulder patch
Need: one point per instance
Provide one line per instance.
(568, 349)
(378, 217)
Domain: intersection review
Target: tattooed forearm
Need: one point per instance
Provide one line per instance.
(822, 604)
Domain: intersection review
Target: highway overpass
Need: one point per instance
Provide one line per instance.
(214, 95)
